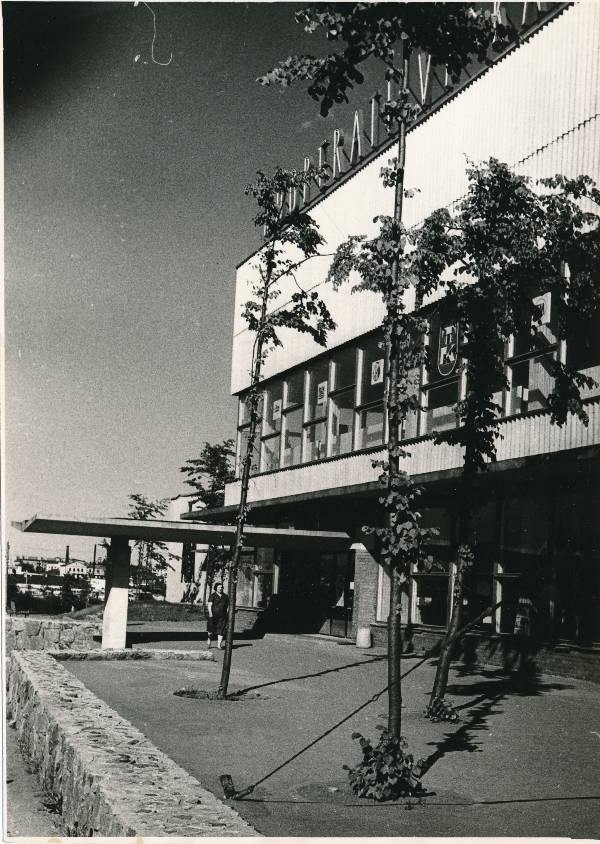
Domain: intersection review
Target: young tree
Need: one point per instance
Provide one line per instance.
(453, 34)
(153, 557)
(506, 245)
(207, 475)
(383, 267)
(291, 239)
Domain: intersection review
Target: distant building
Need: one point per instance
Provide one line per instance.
(75, 568)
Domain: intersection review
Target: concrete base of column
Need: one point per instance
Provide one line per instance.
(364, 638)
(114, 620)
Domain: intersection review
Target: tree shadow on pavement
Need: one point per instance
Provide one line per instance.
(313, 674)
(463, 739)
(494, 687)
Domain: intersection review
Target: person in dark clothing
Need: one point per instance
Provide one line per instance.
(217, 615)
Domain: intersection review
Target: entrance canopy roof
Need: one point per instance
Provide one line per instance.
(159, 530)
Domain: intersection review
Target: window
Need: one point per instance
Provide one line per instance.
(431, 588)
(441, 407)
(431, 602)
(371, 427)
(295, 389)
(529, 364)
(316, 441)
(318, 390)
(245, 584)
(479, 584)
(342, 421)
(530, 384)
(370, 417)
(243, 432)
(270, 453)
(244, 411)
(242, 445)
(373, 370)
(265, 576)
(292, 437)
(342, 400)
(344, 368)
(583, 354)
(273, 401)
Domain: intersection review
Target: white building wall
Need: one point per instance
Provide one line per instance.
(175, 585)
(537, 109)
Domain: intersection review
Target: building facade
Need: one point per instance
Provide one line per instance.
(537, 108)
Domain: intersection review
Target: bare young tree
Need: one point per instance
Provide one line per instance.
(453, 35)
(291, 238)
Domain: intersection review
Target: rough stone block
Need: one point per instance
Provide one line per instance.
(32, 627)
(51, 634)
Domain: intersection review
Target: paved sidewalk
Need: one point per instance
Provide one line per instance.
(521, 762)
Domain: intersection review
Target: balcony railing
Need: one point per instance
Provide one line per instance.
(521, 436)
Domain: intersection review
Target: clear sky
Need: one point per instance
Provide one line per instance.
(124, 219)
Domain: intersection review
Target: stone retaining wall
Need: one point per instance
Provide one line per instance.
(104, 774)
(49, 634)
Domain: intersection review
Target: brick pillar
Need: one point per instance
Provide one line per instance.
(365, 593)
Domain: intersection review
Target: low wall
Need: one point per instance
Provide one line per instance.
(106, 777)
(561, 659)
(49, 634)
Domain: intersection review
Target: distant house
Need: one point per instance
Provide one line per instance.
(76, 568)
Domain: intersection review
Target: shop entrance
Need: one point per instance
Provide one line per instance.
(316, 593)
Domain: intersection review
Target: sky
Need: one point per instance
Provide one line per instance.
(125, 217)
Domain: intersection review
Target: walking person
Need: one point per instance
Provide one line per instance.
(217, 615)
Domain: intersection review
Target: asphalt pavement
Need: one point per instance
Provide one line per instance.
(523, 760)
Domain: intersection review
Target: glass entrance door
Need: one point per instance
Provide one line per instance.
(316, 593)
(336, 593)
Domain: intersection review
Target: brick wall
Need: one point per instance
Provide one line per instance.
(365, 589)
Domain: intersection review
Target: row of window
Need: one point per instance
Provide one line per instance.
(536, 554)
(334, 405)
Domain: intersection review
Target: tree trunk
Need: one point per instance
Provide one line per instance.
(466, 493)
(234, 562)
(443, 666)
(393, 420)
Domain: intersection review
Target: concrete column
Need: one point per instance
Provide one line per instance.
(114, 620)
(365, 594)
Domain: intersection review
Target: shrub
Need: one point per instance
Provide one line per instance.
(387, 771)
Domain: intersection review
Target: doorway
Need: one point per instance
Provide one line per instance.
(316, 593)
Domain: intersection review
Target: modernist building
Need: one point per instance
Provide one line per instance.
(536, 108)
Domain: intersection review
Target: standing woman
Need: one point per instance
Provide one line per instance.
(217, 615)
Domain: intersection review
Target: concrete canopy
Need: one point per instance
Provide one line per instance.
(159, 530)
